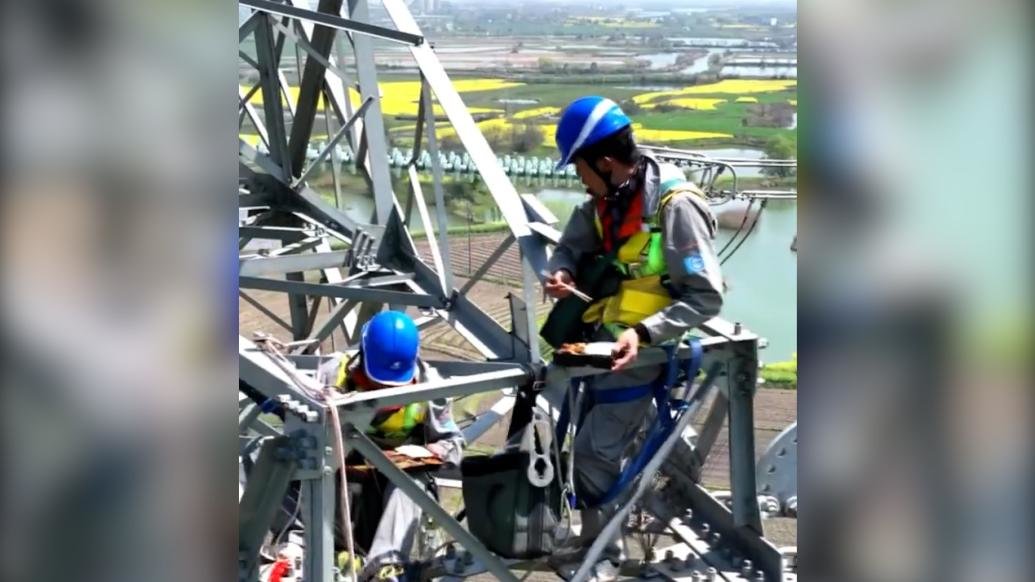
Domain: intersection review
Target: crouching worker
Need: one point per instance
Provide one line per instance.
(418, 437)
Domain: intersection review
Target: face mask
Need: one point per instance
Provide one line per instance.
(623, 190)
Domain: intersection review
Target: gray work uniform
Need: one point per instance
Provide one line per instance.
(606, 433)
(395, 535)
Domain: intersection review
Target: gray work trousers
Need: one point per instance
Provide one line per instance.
(604, 441)
(396, 530)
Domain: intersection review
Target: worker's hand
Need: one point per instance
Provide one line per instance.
(559, 284)
(415, 451)
(626, 349)
(438, 450)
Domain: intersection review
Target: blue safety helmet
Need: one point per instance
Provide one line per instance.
(390, 343)
(586, 121)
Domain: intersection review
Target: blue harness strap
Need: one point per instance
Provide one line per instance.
(668, 413)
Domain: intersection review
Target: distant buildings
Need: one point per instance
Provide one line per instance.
(428, 6)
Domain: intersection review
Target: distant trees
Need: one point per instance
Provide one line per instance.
(525, 138)
(521, 138)
(780, 148)
(630, 107)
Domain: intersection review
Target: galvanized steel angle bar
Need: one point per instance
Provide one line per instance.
(249, 110)
(342, 132)
(742, 376)
(489, 262)
(343, 292)
(248, 59)
(454, 386)
(349, 25)
(706, 555)
(436, 181)
(265, 310)
(327, 327)
(267, 485)
(248, 26)
(335, 163)
(374, 130)
(311, 83)
(745, 540)
(318, 502)
(417, 194)
(271, 102)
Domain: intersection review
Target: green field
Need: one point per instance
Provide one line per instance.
(729, 117)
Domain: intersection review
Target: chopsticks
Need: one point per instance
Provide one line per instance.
(571, 288)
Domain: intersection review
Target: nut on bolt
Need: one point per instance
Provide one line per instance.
(759, 576)
(792, 506)
(710, 574)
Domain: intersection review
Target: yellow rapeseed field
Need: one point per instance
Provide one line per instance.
(401, 97)
(727, 86)
(746, 99)
(698, 103)
(644, 135)
(536, 112)
(662, 135)
(742, 86)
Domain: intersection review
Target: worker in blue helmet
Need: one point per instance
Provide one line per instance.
(642, 247)
(420, 433)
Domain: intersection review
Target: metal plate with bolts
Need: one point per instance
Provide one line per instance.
(777, 470)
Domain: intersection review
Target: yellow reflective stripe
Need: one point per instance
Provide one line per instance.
(343, 373)
(402, 422)
(642, 257)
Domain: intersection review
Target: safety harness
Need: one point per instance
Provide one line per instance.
(669, 410)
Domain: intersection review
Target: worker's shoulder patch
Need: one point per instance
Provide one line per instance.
(693, 262)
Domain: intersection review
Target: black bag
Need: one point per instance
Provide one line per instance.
(512, 517)
(508, 514)
(598, 277)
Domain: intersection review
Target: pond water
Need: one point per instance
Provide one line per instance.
(701, 65)
(761, 72)
(660, 60)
